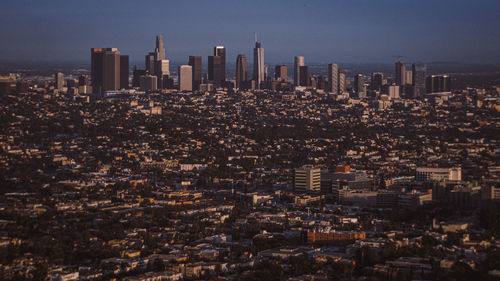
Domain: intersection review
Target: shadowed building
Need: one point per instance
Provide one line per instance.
(241, 71)
(124, 72)
(105, 69)
(196, 64)
(298, 62)
(280, 73)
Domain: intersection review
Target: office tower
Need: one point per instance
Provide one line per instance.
(216, 70)
(419, 72)
(160, 49)
(150, 63)
(258, 64)
(341, 81)
(220, 51)
(59, 81)
(305, 77)
(394, 91)
(322, 84)
(359, 85)
(377, 81)
(400, 73)
(185, 78)
(124, 72)
(241, 71)
(136, 78)
(307, 179)
(408, 77)
(298, 62)
(196, 64)
(148, 82)
(438, 84)
(83, 80)
(280, 73)
(162, 68)
(105, 69)
(333, 78)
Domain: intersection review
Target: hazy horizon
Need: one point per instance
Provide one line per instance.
(322, 31)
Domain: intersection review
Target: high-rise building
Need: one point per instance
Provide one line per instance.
(377, 81)
(217, 66)
(341, 81)
(400, 73)
(419, 72)
(307, 179)
(59, 81)
(241, 71)
(160, 49)
(185, 78)
(196, 64)
(298, 62)
(359, 85)
(280, 73)
(408, 77)
(124, 72)
(136, 78)
(438, 83)
(162, 68)
(258, 64)
(333, 78)
(148, 82)
(305, 77)
(394, 91)
(150, 63)
(105, 69)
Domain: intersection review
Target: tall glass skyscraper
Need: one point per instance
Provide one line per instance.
(258, 64)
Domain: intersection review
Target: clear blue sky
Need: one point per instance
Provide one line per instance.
(321, 30)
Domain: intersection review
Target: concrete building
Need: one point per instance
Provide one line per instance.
(333, 78)
(438, 174)
(185, 78)
(280, 73)
(149, 83)
(59, 81)
(307, 179)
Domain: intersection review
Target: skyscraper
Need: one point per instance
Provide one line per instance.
(419, 71)
(305, 78)
(280, 73)
(359, 85)
(377, 81)
(196, 64)
(150, 63)
(438, 83)
(160, 48)
(185, 78)
(124, 71)
(341, 81)
(333, 78)
(258, 64)
(59, 81)
(298, 62)
(241, 71)
(400, 73)
(162, 68)
(217, 66)
(105, 69)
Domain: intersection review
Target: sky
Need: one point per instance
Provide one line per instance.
(348, 31)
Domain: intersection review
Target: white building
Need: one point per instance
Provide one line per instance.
(307, 179)
(439, 174)
(185, 78)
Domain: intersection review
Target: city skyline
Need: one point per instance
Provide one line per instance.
(321, 31)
